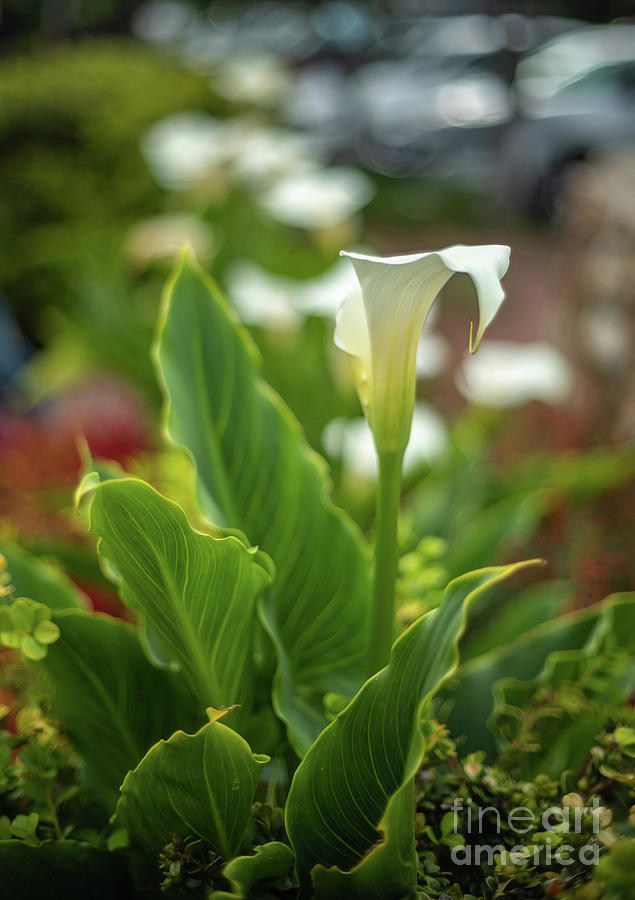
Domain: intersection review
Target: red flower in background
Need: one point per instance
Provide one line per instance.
(40, 467)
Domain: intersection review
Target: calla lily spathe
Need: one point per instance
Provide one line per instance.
(380, 326)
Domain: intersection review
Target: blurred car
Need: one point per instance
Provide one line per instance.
(428, 96)
(418, 117)
(576, 100)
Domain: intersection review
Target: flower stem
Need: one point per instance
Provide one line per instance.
(386, 554)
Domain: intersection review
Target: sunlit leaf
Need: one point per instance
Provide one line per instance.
(198, 594)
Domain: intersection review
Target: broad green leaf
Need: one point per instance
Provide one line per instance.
(198, 594)
(347, 792)
(269, 866)
(256, 473)
(389, 870)
(199, 785)
(68, 869)
(39, 580)
(113, 703)
(471, 696)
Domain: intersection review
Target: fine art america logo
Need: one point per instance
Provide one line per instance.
(549, 830)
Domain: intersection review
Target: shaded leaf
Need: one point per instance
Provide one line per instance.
(67, 869)
(199, 786)
(507, 615)
(269, 864)
(471, 697)
(593, 681)
(113, 703)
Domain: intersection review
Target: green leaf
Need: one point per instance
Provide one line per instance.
(587, 684)
(257, 473)
(352, 790)
(10, 639)
(25, 828)
(199, 786)
(471, 697)
(46, 632)
(22, 615)
(113, 703)
(198, 594)
(270, 865)
(389, 870)
(625, 737)
(39, 580)
(67, 869)
(32, 649)
(492, 531)
(504, 618)
(42, 613)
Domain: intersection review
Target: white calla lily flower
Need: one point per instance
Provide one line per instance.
(380, 326)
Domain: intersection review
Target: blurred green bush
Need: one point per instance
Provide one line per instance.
(70, 123)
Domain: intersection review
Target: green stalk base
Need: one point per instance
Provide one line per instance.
(386, 556)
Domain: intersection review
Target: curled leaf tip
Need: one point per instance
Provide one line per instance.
(214, 713)
(85, 489)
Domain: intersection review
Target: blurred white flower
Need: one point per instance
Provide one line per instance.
(380, 326)
(258, 79)
(433, 354)
(182, 149)
(605, 333)
(429, 439)
(507, 373)
(162, 237)
(323, 295)
(274, 301)
(188, 148)
(317, 198)
(261, 153)
(351, 440)
(261, 298)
